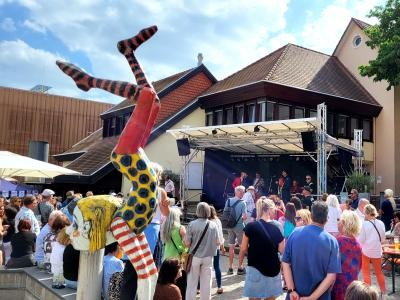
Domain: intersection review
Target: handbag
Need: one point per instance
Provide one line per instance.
(189, 259)
(158, 252)
(182, 255)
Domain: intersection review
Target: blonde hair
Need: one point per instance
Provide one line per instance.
(351, 225)
(263, 205)
(370, 210)
(63, 238)
(305, 215)
(389, 196)
(332, 201)
(99, 211)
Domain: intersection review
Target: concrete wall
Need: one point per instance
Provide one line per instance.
(164, 151)
(385, 162)
(30, 284)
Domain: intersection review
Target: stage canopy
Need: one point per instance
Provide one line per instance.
(259, 138)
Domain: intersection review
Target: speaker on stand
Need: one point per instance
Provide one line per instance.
(183, 147)
(309, 140)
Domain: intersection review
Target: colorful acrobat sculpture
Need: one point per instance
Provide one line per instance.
(128, 222)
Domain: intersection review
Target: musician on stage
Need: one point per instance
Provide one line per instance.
(241, 180)
(309, 183)
(285, 186)
(259, 185)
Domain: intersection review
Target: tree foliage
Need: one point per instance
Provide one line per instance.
(385, 36)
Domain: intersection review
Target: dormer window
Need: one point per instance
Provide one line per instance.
(357, 41)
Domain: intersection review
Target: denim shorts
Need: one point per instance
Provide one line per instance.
(257, 285)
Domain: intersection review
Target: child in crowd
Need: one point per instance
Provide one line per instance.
(111, 265)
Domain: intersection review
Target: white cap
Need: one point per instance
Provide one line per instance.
(47, 193)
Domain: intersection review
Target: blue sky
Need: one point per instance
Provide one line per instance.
(229, 34)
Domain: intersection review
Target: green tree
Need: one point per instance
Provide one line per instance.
(385, 36)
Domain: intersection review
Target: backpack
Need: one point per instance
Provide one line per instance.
(229, 218)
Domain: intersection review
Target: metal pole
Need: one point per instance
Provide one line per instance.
(321, 149)
(90, 276)
(358, 163)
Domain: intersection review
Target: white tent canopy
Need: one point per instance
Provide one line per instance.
(272, 137)
(12, 164)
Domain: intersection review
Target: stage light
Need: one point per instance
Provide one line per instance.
(214, 131)
(257, 129)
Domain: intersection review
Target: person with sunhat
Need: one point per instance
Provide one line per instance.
(46, 206)
(69, 196)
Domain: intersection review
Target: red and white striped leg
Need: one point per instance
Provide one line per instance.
(138, 251)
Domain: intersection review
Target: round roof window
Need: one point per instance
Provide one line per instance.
(357, 41)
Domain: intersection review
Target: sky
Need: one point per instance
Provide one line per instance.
(230, 34)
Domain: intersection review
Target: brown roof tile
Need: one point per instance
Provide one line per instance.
(360, 23)
(299, 67)
(97, 155)
(158, 85)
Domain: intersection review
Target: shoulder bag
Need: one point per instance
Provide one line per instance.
(188, 263)
(380, 239)
(267, 235)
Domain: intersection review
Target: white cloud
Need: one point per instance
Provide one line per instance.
(322, 33)
(8, 24)
(34, 26)
(36, 66)
(230, 34)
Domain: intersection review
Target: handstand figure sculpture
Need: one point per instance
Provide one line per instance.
(128, 157)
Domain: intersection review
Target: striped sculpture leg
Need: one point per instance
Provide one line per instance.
(138, 251)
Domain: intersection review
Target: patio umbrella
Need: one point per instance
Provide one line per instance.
(12, 164)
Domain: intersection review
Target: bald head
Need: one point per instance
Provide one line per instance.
(362, 203)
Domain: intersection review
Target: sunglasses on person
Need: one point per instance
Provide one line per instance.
(297, 219)
(308, 178)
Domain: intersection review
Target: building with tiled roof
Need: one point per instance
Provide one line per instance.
(288, 83)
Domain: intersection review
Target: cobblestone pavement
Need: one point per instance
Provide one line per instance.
(233, 284)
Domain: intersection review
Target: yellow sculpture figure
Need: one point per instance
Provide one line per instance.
(128, 157)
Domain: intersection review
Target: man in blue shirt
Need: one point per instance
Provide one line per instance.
(354, 199)
(311, 258)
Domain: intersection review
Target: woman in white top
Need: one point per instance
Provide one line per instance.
(56, 259)
(371, 237)
(334, 213)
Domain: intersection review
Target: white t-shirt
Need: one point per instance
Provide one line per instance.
(56, 258)
(333, 218)
(249, 200)
(371, 245)
(360, 215)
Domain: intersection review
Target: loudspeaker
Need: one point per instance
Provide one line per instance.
(183, 147)
(309, 140)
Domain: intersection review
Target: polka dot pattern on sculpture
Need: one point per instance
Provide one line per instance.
(153, 186)
(143, 193)
(126, 160)
(152, 203)
(128, 215)
(134, 186)
(141, 165)
(144, 179)
(140, 222)
(133, 172)
(139, 209)
(132, 201)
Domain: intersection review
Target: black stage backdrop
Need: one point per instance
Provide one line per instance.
(221, 168)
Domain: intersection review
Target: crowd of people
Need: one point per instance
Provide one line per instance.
(308, 248)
